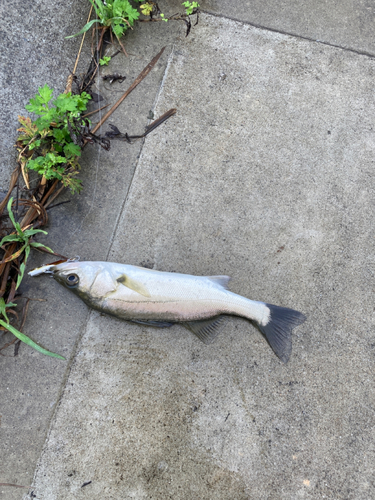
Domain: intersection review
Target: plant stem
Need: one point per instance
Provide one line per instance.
(138, 80)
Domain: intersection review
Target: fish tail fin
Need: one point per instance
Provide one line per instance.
(278, 330)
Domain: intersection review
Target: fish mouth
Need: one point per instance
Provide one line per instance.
(44, 269)
(50, 268)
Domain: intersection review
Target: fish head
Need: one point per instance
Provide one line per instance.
(74, 275)
(77, 276)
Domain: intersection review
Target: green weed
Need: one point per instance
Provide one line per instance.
(104, 61)
(24, 238)
(119, 15)
(47, 142)
(190, 6)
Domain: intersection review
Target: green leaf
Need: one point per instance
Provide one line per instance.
(72, 149)
(3, 307)
(65, 103)
(9, 238)
(19, 230)
(58, 134)
(44, 121)
(99, 7)
(190, 6)
(37, 106)
(123, 8)
(118, 30)
(38, 164)
(45, 93)
(132, 15)
(81, 101)
(85, 28)
(15, 224)
(35, 244)
(84, 96)
(35, 144)
(9, 207)
(23, 266)
(29, 342)
(104, 61)
(31, 232)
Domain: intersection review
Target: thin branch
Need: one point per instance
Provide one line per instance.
(53, 197)
(69, 82)
(14, 485)
(95, 111)
(138, 80)
(83, 39)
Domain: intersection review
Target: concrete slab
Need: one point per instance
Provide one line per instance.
(31, 383)
(265, 174)
(34, 52)
(344, 23)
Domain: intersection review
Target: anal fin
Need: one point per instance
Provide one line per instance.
(157, 324)
(206, 330)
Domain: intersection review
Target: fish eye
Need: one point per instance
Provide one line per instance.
(72, 279)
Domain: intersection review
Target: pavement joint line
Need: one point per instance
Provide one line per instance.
(84, 328)
(122, 209)
(60, 395)
(295, 35)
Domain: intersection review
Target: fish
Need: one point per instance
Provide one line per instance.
(162, 299)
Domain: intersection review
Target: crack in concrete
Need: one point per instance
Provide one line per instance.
(122, 209)
(295, 35)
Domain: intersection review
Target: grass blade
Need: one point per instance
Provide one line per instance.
(40, 245)
(9, 238)
(24, 338)
(23, 266)
(14, 255)
(10, 213)
(31, 232)
(85, 28)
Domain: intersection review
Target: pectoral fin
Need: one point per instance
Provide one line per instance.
(206, 329)
(134, 285)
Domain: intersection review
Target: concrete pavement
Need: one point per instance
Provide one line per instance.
(31, 384)
(265, 174)
(347, 24)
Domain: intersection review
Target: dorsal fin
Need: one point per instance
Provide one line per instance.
(220, 280)
(134, 285)
(205, 329)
